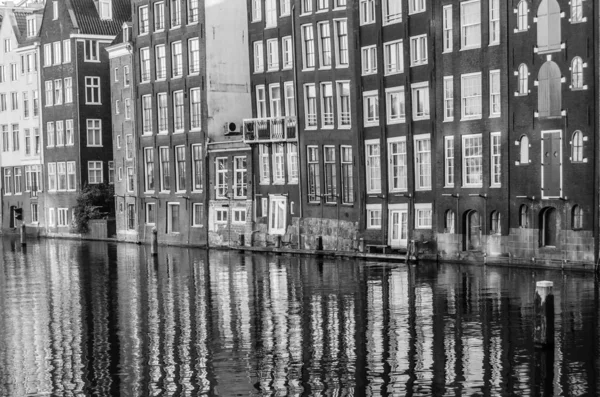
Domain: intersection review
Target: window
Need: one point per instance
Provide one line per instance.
(307, 6)
(343, 92)
(111, 172)
(3, 106)
(494, 22)
(418, 50)
(423, 162)
(292, 157)
(290, 99)
(495, 105)
(66, 51)
(369, 60)
(57, 53)
(577, 73)
(149, 169)
(25, 97)
(18, 180)
(256, 10)
(61, 171)
(450, 222)
(58, 92)
(239, 215)
(471, 95)
(278, 164)
(197, 214)
(60, 133)
(308, 47)
(49, 93)
(448, 98)
(447, 29)
(95, 172)
(496, 159)
(472, 160)
(272, 55)
(221, 215)
(392, 11)
(398, 173)
(577, 147)
(415, 6)
(259, 62)
(221, 177)
(195, 110)
(373, 163)
(322, 5)
(549, 90)
(373, 216)
(159, 16)
(175, 9)
(327, 105)
(265, 170)
(47, 55)
(126, 79)
(284, 7)
(69, 139)
(270, 13)
(117, 106)
(176, 59)
(522, 11)
(367, 11)
(173, 218)
(523, 79)
(330, 177)
(496, 223)
(7, 46)
(27, 133)
(178, 111)
(145, 64)
(34, 213)
(523, 216)
(420, 99)
(92, 90)
(277, 215)
(524, 150)
(395, 105)
(129, 147)
(287, 52)
(8, 181)
(31, 26)
(130, 216)
(240, 177)
(193, 12)
(147, 114)
(163, 112)
(91, 51)
(577, 218)
(197, 167)
(324, 44)
(94, 132)
(14, 72)
(576, 11)
(63, 217)
(161, 62)
(194, 56)
(449, 161)
(68, 89)
(548, 26)
(394, 62)
(51, 217)
(423, 216)
(314, 179)
(347, 179)
(15, 137)
(165, 174)
(49, 134)
(341, 43)
(105, 9)
(310, 104)
(371, 108)
(261, 102)
(180, 174)
(14, 101)
(150, 213)
(470, 23)
(127, 108)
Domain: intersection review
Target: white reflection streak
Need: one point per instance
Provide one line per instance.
(185, 372)
(279, 305)
(374, 337)
(201, 286)
(424, 328)
(153, 331)
(170, 387)
(398, 330)
(316, 322)
(349, 335)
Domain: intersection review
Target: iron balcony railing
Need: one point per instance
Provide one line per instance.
(271, 129)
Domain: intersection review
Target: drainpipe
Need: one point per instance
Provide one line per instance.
(300, 152)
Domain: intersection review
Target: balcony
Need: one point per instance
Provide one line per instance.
(272, 129)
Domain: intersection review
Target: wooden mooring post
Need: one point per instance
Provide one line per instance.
(23, 235)
(544, 314)
(154, 243)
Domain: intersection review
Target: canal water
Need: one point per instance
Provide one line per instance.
(99, 319)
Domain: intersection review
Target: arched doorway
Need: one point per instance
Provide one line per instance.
(548, 227)
(472, 227)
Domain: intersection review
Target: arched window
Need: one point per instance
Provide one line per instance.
(523, 79)
(577, 147)
(576, 11)
(549, 93)
(577, 73)
(524, 216)
(522, 11)
(524, 145)
(548, 26)
(577, 218)
(496, 223)
(450, 222)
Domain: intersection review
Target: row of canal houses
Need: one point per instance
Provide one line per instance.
(467, 126)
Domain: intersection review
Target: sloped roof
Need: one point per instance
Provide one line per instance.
(89, 22)
(21, 18)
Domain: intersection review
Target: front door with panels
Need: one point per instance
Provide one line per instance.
(398, 228)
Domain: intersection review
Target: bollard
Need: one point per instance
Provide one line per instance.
(277, 241)
(154, 243)
(361, 245)
(319, 243)
(544, 314)
(23, 235)
(242, 240)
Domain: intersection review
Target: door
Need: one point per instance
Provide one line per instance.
(398, 228)
(473, 231)
(12, 217)
(551, 164)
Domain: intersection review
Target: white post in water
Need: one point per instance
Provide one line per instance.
(23, 236)
(154, 243)
(544, 314)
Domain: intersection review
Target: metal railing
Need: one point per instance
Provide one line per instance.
(271, 129)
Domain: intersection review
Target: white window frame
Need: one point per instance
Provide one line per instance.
(416, 6)
(344, 118)
(368, 98)
(448, 98)
(495, 93)
(170, 228)
(466, 43)
(466, 160)
(422, 216)
(371, 168)
(287, 53)
(416, 90)
(449, 156)
(91, 126)
(464, 100)
(367, 12)
(92, 84)
(237, 213)
(272, 55)
(389, 96)
(418, 50)
(371, 210)
(197, 208)
(420, 176)
(495, 158)
(494, 19)
(397, 159)
(447, 35)
(391, 15)
(397, 55)
(93, 167)
(369, 60)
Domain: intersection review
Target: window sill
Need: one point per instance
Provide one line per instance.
(259, 71)
(420, 118)
(471, 118)
(495, 186)
(327, 127)
(179, 76)
(294, 182)
(423, 189)
(273, 69)
(87, 103)
(90, 61)
(400, 121)
(198, 226)
(373, 228)
(449, 186)
(371, 125)
(342, 66)
(471, 48)
(363, 74)
(393, 73)
(495, 116)
(344, 127)
(308, 69)
(394, 22)
(413, 65)
(465, 186)
(448, 120)
(494, 44)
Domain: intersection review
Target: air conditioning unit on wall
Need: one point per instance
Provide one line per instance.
(232, 128)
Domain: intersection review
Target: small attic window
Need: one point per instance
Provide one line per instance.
(126, 33)
(105, 9)
(55, 10)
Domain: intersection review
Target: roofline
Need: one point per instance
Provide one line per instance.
(99, 37)
(120, 49)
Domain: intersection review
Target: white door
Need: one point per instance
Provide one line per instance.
(398, 228)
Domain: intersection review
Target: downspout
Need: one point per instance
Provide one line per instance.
(300, 152)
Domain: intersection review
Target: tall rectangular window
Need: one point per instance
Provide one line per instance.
(58, 92)
(495, 104)
(159, 16)
(92, 90)
(265, 166)
(176, 59)
(290, 98)
(25, 98)
(341, 32)
(181, 168)
(287, 51)
(143, 20)
(310, 105)
(324, 44)
(373, 164)
(449, 161)
(395, 105)
(371, 108)
(275, 100)
(160, 55)
(496, 159)
(71, 178)
(343, 93)
(307, 6)
(423, 162)
(194, 55)
(415, 6)
(272, 54)
(163, 112)
(197, 214)
(284, 7)
(197, 167)
(94, 132)
(448, 98)
(165, 174)
(418, 50)
(392, 11)
(149, 168)
(129, 147)
(472, 160)
(57, 52)
(329, 165)
(369, 60)
(150, 213)
(47, 55)
(18, 180)
(173, 218)
(494, 22)
(314, 179)
(292, 157)
(27, 133)
(327, 105)
(347, 174)
(394, 61)
(111, 172)
(8, 181)
(49, 93)
(398, 172)
(195, 109)
(145, 64)
(175, 8)
(36, 103)
(69, 138)
(308, 47)
(270, 13)
(221, 177)
(470, 24)
(61, 171)
(60, 133)
(178, 111)
(374, 216)
(66, 51)
(15, 137)
(471, 95)
(91, 51)
(256, 10)
(367, 11)
(68, 89)
(95, 172)
(147, 114)
(278, 163)
(240, 177)
(193, 11)
(34, 213)
(49, 134)
(259, 57)
(261, 102)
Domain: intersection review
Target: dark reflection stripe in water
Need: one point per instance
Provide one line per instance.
(103, 319)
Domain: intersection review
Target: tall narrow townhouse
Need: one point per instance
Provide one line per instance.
(20, 156)
(397, 71)
(471, 149)
(192, 85)
(329, 123)
(553, 144)
(76, 104)
(123, 169)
